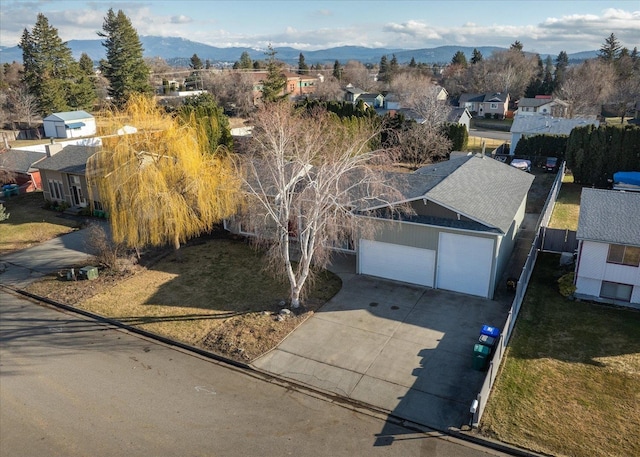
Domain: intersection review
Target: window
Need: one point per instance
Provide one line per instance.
(55, 189)
(616, 291)
(494, 106)
(624, 255)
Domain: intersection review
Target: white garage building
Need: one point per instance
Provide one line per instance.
(69, 124)
(467, 214)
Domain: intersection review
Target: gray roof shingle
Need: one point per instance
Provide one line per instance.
(480, 188)
(19, 161)
(609, 216)
(71, 159)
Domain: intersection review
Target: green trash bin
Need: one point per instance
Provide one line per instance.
(480, 356)
(89, 272)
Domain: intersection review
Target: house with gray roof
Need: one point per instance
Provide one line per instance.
(20, 165)
(466, 213)
(69, 124)
(545, 105)
(608, 262)
(525, 126)
(63, 175)
(485, 105)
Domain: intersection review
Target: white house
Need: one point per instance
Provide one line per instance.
(541, 105)
(524, 126)
(608, 263)
(70, 124)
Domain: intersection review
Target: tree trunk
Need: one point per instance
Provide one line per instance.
(176, 249)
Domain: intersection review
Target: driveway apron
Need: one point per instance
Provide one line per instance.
(403, 349)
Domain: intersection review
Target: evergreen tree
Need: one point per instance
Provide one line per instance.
(394, 68)
(476, 57)
(203, 111)
(516, 46)
(86, 64)
(124, 67)
(459, 59)
(196, 63)
(245, 62)
(275, 82)
(303, 68)
(383, 71)
(413, 63)
(562, 62)
(50, 72)
(337, 70)
(610, 49)
(547, 80)
(207, 64)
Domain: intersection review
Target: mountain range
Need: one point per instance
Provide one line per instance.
(178, 51)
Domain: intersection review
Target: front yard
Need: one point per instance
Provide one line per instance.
(217, 297)
(570, 383)
(29, 223)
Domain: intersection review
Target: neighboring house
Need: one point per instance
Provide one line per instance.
(467, 214)
(524, 126)
(391, 102)
(490, 104)
(21, 165)
(460, 116)
(351, 93)
(608, 263)
(542, 104)
(63, 175)
(296, 85)
(70, 124)
(372, 100)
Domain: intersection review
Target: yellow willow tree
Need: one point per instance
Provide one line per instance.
(160, 184)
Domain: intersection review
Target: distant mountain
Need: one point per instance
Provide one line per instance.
(178, 51)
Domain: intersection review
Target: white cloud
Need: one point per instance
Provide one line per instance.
(181, 19)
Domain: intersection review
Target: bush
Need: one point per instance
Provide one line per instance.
(566, 286)
(107, 253)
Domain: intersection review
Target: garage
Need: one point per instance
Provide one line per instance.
(397, 262)
(465, 263)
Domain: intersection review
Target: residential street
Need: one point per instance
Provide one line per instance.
(74, 387)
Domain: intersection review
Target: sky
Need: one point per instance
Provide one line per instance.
(546, 27)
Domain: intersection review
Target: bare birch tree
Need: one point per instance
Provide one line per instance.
(586, 87)
(306, 176)
(160, 184)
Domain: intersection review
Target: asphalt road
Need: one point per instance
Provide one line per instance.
(73, 387)
(493, 134)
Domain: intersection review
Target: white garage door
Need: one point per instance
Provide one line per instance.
(464, 263)
(397, 262)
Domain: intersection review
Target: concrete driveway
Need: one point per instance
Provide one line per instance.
(404, 349)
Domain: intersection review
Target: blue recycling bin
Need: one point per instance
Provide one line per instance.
(10, 189)
(488, 330)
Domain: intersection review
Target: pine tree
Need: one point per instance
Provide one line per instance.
(413, 63)
(383, 71)
(394, 68)
(303, 68)
(275, 82)
(610, 49)
(195, 63)
(49, 69)
(245, 62)
(562, 62)
(337, 70)
(476, 57)
(86, 64)
(459, 59)
(516, 46)
(124, 66)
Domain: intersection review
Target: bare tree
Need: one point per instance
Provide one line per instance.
(586, 87)
(420, 144)
(357, 74)
(232, 89)
(307, 174)
(24, 105)
(508, 72)
(328, 90)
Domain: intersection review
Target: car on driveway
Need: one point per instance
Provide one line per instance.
(551, 164)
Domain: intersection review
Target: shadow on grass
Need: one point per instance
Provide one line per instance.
(552, 326)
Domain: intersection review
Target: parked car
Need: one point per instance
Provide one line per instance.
(521, 164)
(551, 164)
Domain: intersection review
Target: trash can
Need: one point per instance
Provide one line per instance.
(488, 330)
(488, 341)
(10, 189)
(89, 272)
(480, 356)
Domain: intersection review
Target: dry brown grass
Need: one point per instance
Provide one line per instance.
(216, 297)
(570, 383)
(29, 223)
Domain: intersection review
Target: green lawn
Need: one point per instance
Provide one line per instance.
(570, 383)
(567, 209)
(29, 223)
